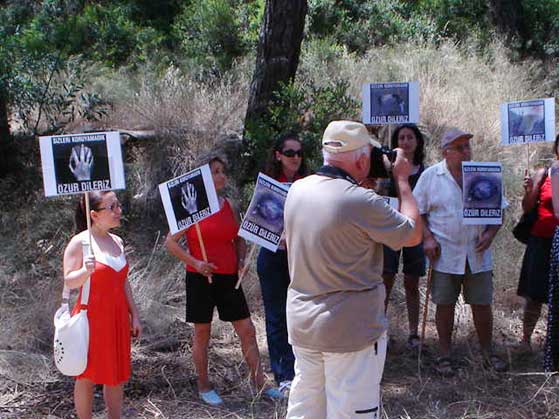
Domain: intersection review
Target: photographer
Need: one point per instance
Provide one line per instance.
(335, 230)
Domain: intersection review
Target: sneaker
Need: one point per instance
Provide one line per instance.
(274, 394)
(211, 397)
(285, 386)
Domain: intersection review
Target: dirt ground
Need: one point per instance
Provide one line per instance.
(163, 380)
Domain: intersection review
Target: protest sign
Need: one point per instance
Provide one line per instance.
(263, 221)
(391, 103)
(189, 198)
(482, 193)
(77, 163)
(528, 121)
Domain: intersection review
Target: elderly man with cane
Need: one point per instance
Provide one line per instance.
(335, 230)
(459, 254)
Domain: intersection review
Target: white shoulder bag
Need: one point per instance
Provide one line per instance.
(71, 333)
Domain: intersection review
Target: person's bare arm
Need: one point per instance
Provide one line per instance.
(174, 248)
(554, 173)
(240, 244)
(431, 246)
(408, 206)
(532, 189)
(77, 269)
(135, 325)
(486, 237)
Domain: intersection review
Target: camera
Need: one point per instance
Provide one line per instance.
(378, 163)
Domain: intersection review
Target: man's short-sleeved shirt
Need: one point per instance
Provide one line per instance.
(335, 231)
(439, 198)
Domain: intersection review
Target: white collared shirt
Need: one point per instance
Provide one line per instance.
(439, 198)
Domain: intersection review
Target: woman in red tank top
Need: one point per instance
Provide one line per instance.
(534, 275)
(112, 313)
(225, 253)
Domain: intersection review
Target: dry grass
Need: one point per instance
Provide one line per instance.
(457, 88)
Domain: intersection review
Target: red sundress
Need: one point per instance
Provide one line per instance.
(108, 360)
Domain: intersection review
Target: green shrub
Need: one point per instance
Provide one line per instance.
(302, 107)
(210, 33)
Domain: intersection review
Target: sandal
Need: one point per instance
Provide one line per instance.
(413, 341)
(496, 363)
(443, 365)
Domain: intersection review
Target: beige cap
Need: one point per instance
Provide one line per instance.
(342, 136)
(452, 135)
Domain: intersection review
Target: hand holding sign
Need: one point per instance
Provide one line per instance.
(205, 268)
(89, 263)
(81, 162)
(188, 198)
(485, 239)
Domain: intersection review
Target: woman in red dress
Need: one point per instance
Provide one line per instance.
(225, 254)
(111, 311)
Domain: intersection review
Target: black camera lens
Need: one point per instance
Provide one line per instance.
(378, 170)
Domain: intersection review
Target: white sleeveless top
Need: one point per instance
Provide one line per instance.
(115, 262)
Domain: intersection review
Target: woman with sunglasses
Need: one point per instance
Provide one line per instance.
(112, 313)
(285, 164)
(410, 140)
(225, 258)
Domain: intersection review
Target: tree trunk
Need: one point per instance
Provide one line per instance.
(4, 125)
(507, 16)
(278, 52)
(7, 157)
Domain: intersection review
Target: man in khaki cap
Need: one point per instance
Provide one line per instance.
(459, 254)
(335, 303)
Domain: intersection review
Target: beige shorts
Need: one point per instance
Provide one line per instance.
(476, 288)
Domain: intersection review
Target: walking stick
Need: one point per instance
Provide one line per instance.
(244, 269)
(425, 311)
(203, 248)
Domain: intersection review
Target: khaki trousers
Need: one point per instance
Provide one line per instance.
(330, 385)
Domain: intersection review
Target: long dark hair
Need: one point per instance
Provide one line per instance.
(555, 145)
(273, 166)
(419, 154)
(80, 219)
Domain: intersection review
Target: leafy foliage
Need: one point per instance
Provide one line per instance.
(304, 108)
(213, 33)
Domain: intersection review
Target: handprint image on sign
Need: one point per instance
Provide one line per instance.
(82, 162)
(189, 198)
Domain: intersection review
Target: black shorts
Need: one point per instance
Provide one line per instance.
(202, 297)
(414, 260)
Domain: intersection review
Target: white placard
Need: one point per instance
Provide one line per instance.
(528, 121)
(77, 163)
(391, 103)
(263, 221)
(189, 198)
(482, 193)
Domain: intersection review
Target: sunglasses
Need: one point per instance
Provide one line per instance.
(111, 207)
(292, 153)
